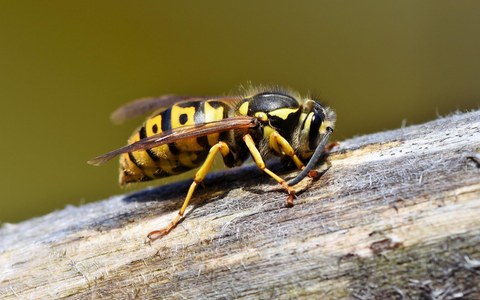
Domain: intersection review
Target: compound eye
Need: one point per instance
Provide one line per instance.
(314, 134)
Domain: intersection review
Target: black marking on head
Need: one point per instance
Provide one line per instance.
(269, 101)
(154, 128)
(183, 119)
(285, 126)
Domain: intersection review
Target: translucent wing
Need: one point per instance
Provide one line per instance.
(145, 105)
(177, 134)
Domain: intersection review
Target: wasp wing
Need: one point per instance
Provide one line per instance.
(177, 134)
(144, 105)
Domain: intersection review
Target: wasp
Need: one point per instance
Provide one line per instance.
(188, 132)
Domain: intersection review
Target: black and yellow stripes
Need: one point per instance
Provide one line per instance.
(173, 158)
(185, 133)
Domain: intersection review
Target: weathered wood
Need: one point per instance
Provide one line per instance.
(397, 215)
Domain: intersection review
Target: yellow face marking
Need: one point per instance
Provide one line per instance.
(308, 122)
(243, 109)
(302, 118)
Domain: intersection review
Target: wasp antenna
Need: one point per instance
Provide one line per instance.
(315, 157)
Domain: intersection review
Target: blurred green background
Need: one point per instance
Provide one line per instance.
(65, 65)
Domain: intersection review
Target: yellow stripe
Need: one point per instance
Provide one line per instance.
(187, 144)
(212, 114)
(243, 109)
(163, 151)
(306, 128)
(148, 165)
(283, 112)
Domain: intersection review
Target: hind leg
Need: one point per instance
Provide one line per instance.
(197, 179)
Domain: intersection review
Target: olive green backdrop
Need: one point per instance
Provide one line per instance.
(65, 65)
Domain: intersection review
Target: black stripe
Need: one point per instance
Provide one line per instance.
(180, 169)
(200, 118)
(173, 149)
(167, 120)
(143, 132)
(167, 125)
(134, 160)
(152, 155)
(201, 156)
(189, 104)
(215, 104)
(203, 142)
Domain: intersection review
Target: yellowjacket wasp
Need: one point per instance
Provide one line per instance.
(187, 132)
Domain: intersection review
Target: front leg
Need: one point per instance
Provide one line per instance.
(282, 146)
(261, 164)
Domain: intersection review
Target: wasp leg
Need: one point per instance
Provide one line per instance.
(197, 179)
(278, 142)
(261, 164)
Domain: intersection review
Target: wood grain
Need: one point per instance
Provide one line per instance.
(395, 215)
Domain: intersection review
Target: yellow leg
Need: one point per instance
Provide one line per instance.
(197, 179)
(277, 141)
(261, 164)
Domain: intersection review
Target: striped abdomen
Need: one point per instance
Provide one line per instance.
(174, 158)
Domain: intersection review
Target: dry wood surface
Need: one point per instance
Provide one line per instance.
(396, 215)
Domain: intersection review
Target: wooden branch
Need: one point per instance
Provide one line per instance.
(396, 215)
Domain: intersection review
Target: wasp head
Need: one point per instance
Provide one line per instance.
(315, 121)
